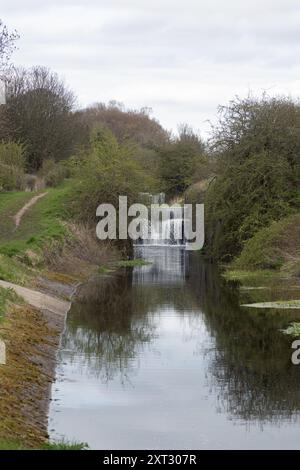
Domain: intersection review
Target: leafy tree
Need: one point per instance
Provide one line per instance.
(108, 170)
(253, 125)
(180, 160)
(257, 142)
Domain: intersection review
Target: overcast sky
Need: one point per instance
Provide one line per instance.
(180, 57)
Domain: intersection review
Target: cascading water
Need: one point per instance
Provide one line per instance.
(168, 228)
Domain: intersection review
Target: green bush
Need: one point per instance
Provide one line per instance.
(182, 161)
(272, 247)
(11, 178)
(54, 173)
(245, 197)
(107, 171)
(12, 154)
(12, 163)
(257, 146)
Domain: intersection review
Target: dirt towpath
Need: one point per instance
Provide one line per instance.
(19, 215)
(38, 299)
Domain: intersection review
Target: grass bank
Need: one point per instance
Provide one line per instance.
(273, 252)
(42, 224)
(31, 338)
(47, 252)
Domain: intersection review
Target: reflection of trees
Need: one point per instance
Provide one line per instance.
(251, 367)
(111, 320)
(104, 327)
(154, 298)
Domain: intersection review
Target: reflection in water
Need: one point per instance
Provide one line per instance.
(162, 356)
(251, 369)
(105, 329)
(169, 265)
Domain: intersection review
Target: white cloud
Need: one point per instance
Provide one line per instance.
(180, 58)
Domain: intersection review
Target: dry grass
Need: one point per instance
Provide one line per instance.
(81, 252)
(31, 339)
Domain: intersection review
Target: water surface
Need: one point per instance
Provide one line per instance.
(162, 356)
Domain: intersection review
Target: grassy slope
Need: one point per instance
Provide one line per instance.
(41, 224)
(13, 201)
(6, 444)
(7, 296)
(276, 248)
(10, 204)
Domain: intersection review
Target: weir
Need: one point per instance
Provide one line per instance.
(166, 226)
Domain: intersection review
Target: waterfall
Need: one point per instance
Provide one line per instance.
(168, 228)
(167, 232)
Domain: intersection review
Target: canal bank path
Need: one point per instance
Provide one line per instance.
(38, 299)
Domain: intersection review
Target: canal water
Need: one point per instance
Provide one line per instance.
(162, 356)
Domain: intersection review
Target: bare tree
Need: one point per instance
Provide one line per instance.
(7, 46)
(39, 114)
(126, 124)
